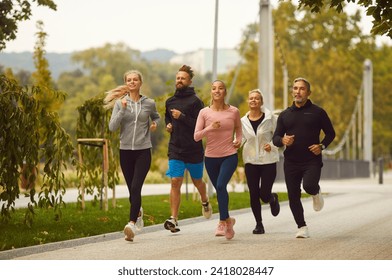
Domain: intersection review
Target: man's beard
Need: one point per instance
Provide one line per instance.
(180, 86)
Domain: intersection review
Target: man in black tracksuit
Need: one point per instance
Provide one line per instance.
(184, 152)
(298, 129)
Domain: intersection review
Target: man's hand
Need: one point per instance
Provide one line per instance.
(315, 149)
(175, 113)
(169, 128)
(288, 140)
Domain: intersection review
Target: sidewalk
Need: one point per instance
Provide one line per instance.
(355, 224)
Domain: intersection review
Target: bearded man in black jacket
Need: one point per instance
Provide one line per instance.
(184, 152)
(298, 129)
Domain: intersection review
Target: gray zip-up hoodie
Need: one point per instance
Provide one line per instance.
(134, 122)
(253, 151)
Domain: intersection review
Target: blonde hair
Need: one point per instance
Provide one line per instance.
(133, 72)
(120, 91)
(257, 91)
(113, 95)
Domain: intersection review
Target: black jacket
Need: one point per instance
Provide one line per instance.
(305, 123)
(182, 146)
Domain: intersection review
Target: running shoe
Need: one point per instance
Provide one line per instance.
(230, 222)
(129, 231)
(318, 201)
(303, 232)
(220, 229)
(206, 209)
(274, 205)
(139, 221)
(259, 229)
(172, 225)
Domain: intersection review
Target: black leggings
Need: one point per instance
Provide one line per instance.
(260, 179)
(135, 165)
(309, 174)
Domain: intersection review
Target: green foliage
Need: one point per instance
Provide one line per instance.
(380, 10)
(42, 76)
(93, 123)
(14, 11)
(23, 148)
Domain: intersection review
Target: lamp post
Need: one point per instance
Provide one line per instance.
(266, 54)
(215, 50)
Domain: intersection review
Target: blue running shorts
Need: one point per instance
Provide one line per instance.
(177, 169)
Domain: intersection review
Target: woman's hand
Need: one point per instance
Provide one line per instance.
(267, 147)
(153, 126)
(124, 103)
(216, 124)
(237, 144)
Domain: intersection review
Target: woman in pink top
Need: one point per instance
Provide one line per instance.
(220, 123)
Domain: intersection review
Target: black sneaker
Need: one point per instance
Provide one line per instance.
(259, 229)
(172, 225)
(274, 205)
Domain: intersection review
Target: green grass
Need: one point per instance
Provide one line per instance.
(76, 223)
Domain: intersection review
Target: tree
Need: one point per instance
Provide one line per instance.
(329, 49)
(22, 144)
(380, 10)
(42, 77)
(31, 136)
(14, 11)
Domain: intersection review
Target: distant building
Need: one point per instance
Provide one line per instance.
(201, 60)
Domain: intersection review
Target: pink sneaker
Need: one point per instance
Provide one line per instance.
(230, 222)
(220, 229)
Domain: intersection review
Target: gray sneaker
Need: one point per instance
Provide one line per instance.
(303, 232)
(139, 221)
(318, 201)
(206, 209)
(129, 231)
(172, 225)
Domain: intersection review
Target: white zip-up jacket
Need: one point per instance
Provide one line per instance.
(253, 151)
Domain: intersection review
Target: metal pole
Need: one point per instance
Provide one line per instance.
(285, 87)
(368, 113)
(380, 170)
(266, 54)
(209, 186)
(215, 51)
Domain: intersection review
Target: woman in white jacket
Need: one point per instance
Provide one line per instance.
(260, 156)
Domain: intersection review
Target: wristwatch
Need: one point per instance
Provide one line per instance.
(322, 146)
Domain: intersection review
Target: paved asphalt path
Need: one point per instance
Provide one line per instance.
(355, 224)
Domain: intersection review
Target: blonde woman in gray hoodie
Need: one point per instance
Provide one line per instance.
(136, 115)
(260, 156)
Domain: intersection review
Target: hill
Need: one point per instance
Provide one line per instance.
(61, 62)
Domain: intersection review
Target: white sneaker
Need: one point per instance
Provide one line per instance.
(139, 221)
(206, 209)
(303, 232)
(318, 201)
(172, 225)
(129, 231)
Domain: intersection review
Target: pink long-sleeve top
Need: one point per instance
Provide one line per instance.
(219, 141)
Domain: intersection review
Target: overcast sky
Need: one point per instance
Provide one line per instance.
(178, 25)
